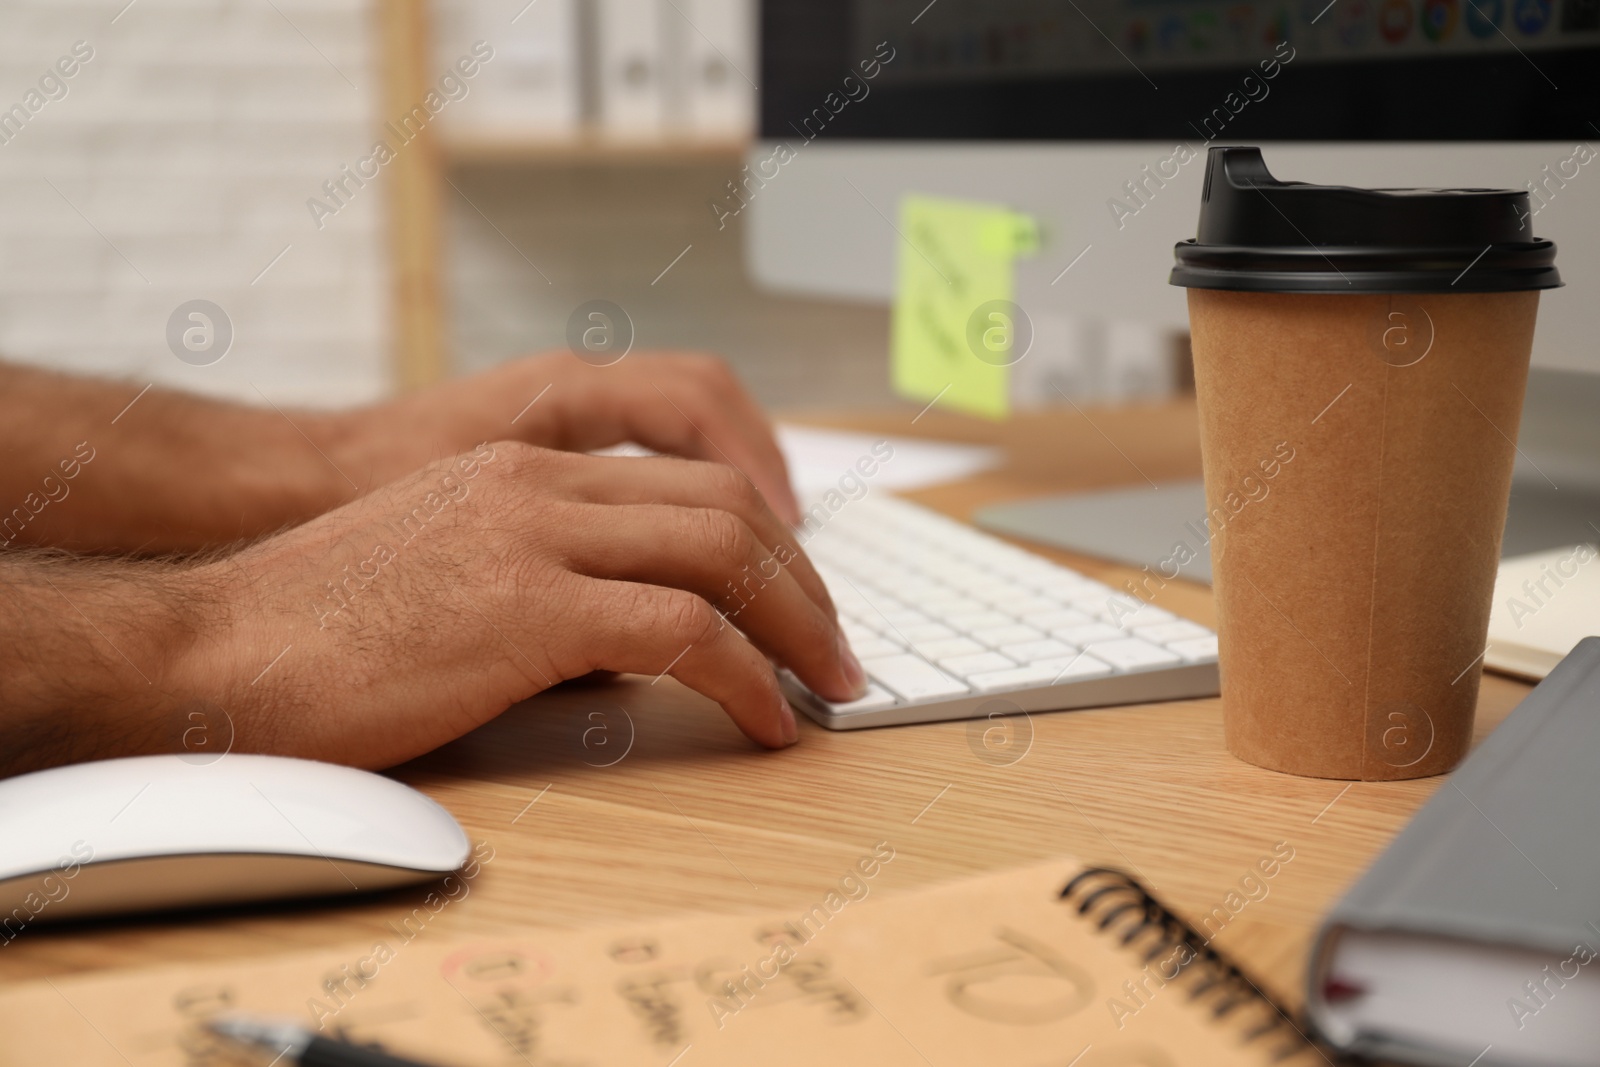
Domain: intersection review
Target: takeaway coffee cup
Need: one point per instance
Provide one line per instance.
(1360, 360)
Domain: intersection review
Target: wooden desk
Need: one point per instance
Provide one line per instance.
(693, 817)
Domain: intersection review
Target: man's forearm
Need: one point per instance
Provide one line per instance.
(89, 650)
(99, 466)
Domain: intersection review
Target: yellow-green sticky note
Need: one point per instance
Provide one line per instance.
(955, 332)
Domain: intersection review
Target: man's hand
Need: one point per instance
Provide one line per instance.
(400, 621)
(679, 404)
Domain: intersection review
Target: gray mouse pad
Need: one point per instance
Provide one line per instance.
(1143, 527)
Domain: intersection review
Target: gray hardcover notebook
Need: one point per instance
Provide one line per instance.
(1475, 937)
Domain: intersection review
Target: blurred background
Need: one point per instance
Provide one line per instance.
(185, 156)
(377, 194)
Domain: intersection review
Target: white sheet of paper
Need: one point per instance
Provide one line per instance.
(819, 458)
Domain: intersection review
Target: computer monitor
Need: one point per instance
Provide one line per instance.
(1367, 70)
(1093, 116)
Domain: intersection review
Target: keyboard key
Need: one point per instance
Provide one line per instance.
(1197, 650)
(860, 602)
(1015, 678)
(1067, 586)
(1080, 636)
(877, 697)
(1122, 606)
(882, 606)
(927, 631)
(847, 598)
(978, 663)
(1029, 605)
(1089, 589)
(1166, 633)
(995, 636)
(921, 591)
(1056, 618)
(1041, 574)
(1003, 594)
(1129, 617)
(912, 677)
(1033, 651)
(949, 646)
(901, 618)
(939, 610)
(873, 647)
(1096, 604)
(855, 563)
(978, 620)
(1132, 654)
(1073, 668)
(974, 584)
(934, 560)
(856, 630)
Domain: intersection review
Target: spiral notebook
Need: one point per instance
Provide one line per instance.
(1046, 966)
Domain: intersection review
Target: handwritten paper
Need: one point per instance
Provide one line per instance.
(996, 970)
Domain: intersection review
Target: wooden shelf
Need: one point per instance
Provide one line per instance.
(587, 148)
(415, 196)
(420, 316)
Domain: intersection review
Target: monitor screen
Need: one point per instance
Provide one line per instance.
(1199, 70)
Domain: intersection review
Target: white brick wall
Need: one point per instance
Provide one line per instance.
(176, 167)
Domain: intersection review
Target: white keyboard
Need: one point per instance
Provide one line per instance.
(951, 623)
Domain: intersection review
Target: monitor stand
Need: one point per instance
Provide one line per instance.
(1143, 527)
(1558, 444)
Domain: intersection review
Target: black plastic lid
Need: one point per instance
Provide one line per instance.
(1258, 234)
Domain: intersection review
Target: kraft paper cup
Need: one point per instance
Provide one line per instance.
(1360, 361)
(1354, 584)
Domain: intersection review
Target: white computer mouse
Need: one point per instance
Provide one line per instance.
(158, 832)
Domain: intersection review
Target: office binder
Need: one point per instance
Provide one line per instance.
(719, 75)
(630, 64)
(529, 85)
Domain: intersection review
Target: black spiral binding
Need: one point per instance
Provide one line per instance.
(1112, 898)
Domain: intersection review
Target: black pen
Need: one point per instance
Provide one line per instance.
(295, 1044)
